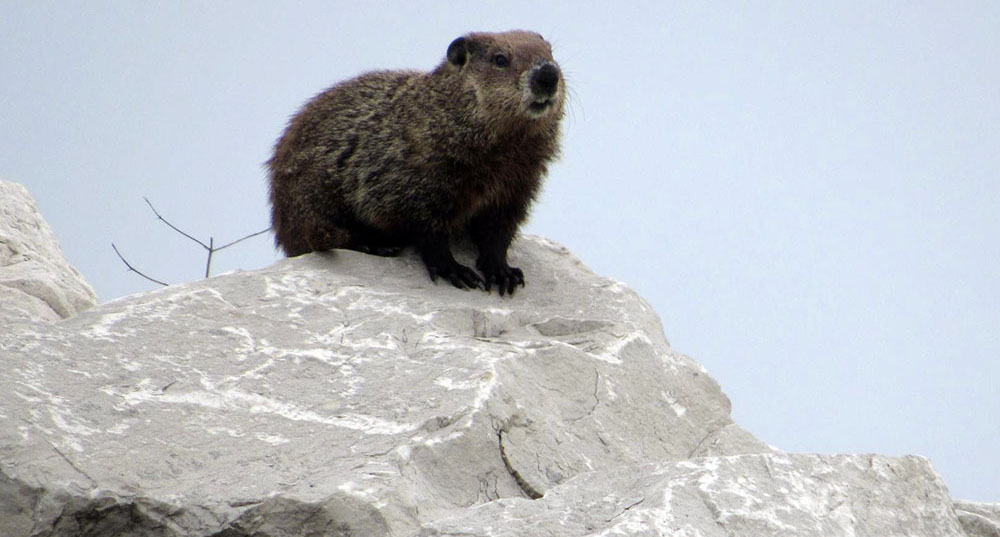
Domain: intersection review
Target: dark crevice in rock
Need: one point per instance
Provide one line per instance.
(100, 517)
(525, 487)
(713, 432)
(72, 464)
(701, 442)
(627, 508)
(336, 516)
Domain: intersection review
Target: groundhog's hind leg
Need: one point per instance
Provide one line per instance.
(297, 237)
(372, 241)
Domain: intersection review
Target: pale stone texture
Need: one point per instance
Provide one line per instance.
(346, 394)
(744, 495)
(348, 384)
(979, 519)
(36, 282)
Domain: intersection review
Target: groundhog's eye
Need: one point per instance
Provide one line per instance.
(500, 60)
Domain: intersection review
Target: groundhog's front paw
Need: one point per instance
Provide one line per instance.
(506, 277)
(458, 274)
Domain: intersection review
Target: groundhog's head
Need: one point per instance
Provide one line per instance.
(512, 73)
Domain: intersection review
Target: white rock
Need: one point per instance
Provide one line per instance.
(36, 282)
(349, 384)
(736, 496)
(342, 393)
(979, 519)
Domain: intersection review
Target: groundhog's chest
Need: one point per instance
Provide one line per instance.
(500, 178)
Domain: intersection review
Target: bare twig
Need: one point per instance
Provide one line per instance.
(243, 239)
(210, 247)
(133, 269)
(173, 227)
(211, 250)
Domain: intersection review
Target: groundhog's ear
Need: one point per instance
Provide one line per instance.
(458, 51)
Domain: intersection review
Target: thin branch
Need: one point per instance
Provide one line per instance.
(173, 227)
(243, 239)
(133, 269)
(211, 250)
(210, 246)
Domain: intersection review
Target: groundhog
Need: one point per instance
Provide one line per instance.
(393, 159)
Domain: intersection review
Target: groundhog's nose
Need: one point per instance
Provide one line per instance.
(545, 80)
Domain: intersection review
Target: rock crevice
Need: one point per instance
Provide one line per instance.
(528, 490)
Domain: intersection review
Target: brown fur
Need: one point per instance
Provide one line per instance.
(398, 158)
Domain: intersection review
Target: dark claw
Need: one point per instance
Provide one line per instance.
(466, 276)
(505, 277)
(514, 278)
(459, 275)
(382, 251)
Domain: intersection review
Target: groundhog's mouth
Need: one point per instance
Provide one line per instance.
(540, 105)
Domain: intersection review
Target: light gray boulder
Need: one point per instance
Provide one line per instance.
(345, 394)
(36, 281)
(341, 389)
(743, 495)
(979, 519)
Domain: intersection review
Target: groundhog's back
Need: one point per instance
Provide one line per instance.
(310, 169)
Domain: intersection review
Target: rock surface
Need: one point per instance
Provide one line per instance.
(979, 519)
(36, 282)
(349, 384)
(345, 394)
(747, 495)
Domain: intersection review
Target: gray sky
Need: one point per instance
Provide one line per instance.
(807, 192)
